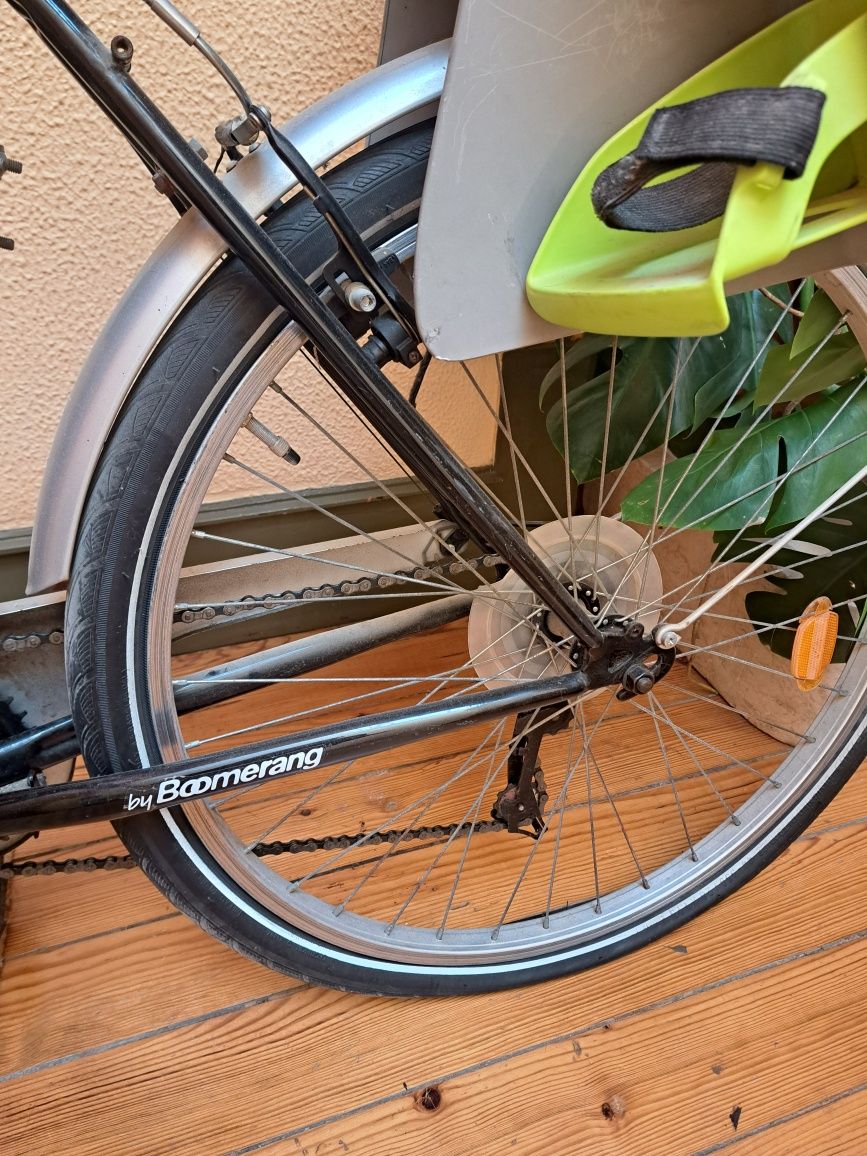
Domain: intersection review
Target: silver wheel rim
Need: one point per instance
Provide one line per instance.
(579, 929)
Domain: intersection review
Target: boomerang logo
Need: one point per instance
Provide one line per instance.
(173, 789)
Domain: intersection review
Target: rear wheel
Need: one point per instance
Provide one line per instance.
(396, 879)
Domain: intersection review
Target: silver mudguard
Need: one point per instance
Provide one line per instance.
(175, 270)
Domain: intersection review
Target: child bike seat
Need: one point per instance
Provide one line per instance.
(761, 153)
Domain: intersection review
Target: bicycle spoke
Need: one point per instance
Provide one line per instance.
(664, 752)
(473, 809)
(605, 435)
(546, 922)
(687, 646)
(710, 746)
(679, 734)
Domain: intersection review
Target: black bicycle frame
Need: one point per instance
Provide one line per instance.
(118, 796)
(153, 137)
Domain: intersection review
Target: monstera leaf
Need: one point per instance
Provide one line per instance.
(707, 373)
(829, 559)
(816, 359)
(732, 481)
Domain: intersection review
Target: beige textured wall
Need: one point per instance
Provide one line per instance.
(84, 197)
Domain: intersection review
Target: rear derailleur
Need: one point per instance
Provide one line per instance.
(627, 657)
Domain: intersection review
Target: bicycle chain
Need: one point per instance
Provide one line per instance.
(204, 611)
(333, 590)
(33, 867)
(440, 831)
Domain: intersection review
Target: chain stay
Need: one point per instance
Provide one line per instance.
(32, 867)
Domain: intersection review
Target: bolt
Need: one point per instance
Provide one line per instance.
(198, 148)
(638, 679)
(667, 638)
(121, 53)
(359, 297)
(7, 165)
(162, 184)
(55, 637)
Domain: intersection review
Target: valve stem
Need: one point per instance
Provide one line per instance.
(276, 444)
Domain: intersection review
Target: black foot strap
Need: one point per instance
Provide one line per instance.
(740, 127)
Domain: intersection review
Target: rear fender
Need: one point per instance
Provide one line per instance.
(176, 269)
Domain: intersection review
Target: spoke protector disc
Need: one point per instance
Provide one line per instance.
(508, 634)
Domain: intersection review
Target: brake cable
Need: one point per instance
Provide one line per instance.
(244, 130)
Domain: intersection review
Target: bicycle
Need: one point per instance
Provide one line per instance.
(604, 732)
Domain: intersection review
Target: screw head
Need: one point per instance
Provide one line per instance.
(7, 164)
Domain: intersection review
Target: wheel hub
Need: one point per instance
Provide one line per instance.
(511, 637)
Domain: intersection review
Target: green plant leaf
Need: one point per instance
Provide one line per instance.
(785, 378)
(583, 353)
(820, 318)
(717, 477)
(720, 474)
(811, 436)
(707, 376)
(840, 573)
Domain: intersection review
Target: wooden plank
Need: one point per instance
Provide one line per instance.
(46, 911)
(374, 794)
(84, 994)
(287, 1062)
(162, 947)
(666, 1080)
(58, 910)
(53, 911)
(835, 1126)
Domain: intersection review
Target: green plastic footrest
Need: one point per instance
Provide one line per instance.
(588, 277)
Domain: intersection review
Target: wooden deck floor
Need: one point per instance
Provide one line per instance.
(124, 1029)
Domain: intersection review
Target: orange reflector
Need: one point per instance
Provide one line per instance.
(815, 640)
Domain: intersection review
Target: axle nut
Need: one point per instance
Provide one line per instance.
(638, 679)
